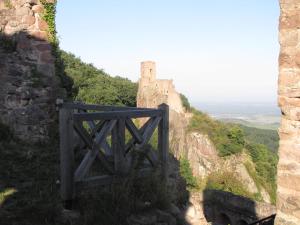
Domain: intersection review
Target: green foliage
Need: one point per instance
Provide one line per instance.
(266, 137)
(185, 102)
(265, 166)
(227, 139)
(227, 181)
(92, 85)
(49, 17)
(231, 139)
(186, 173)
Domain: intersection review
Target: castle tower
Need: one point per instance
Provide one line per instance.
(148, 71)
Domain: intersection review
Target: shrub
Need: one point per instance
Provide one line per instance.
(185, 102)
(186, 173)
(228, 139)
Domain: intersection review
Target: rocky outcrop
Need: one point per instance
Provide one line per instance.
(288, 175)
(28, 85)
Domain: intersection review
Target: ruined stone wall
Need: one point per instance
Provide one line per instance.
(28, 85)
(153, 92)
(288, 176)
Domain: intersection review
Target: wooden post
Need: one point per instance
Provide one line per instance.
(163, 139)
(66, 156)
(118, 145)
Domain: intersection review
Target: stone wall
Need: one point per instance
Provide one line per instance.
(288, 176)
(28, 85)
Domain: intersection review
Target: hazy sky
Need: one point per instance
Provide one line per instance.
(214, 50)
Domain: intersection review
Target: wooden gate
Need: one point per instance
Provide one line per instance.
(102, 130)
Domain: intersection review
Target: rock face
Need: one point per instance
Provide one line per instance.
(28, 85)
(288, 175)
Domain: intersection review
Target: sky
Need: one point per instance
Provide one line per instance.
(214, 50)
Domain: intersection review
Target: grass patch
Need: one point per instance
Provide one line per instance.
(227, 181)
(32, 171)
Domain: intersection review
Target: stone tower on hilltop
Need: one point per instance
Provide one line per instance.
(153, 92)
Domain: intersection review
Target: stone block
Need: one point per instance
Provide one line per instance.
(288, 37)
(42, 25)
(37, 9)
(29, 20)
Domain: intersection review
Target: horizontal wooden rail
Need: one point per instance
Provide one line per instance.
(117, 114)
(81, 106)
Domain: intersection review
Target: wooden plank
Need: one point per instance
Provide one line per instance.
(147, 134)
(83, 133)
(89, 158)
(117, 114)
(152, 157)
(107, 149)
(80, 171)
(105, 131)
(66, 154)
(118, 146)
(132, 141)
(95, 127)
(134, 131)
(88, 140)
(163, 139)
(69, 105)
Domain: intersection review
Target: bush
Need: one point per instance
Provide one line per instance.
(265, 166)
(228, 139)
(185, 102)
(94, 86)
(186, 173)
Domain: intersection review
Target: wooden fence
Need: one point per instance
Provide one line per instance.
(102, 130)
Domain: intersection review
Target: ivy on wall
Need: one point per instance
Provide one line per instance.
(49, 17)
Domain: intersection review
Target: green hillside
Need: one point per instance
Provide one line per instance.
(92, 85)
(266, 137)
(260, 145)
